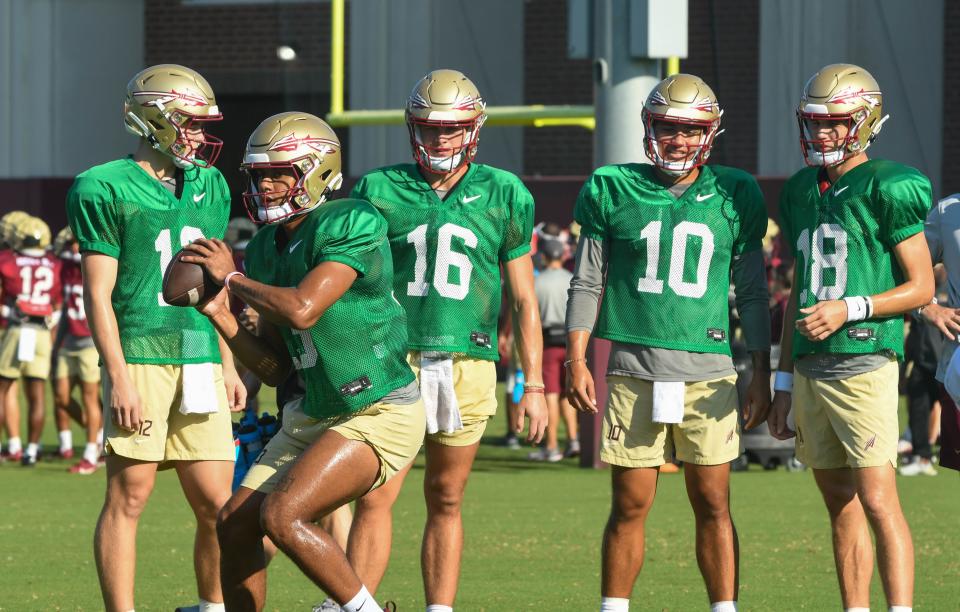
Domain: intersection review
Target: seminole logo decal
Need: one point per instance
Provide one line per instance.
(188, 98)
(705, 105)
(851, 95)
(468, 103)
(291, 142)
(658, 99)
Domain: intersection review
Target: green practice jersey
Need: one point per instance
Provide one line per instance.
(843, 243)
(668, 270)
(447, 253)
(121, 211)
(356, 352)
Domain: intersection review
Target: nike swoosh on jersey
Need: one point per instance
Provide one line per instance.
(199, 196)
(467, 200)
(701, 197)
(294, 245)
(837, 192)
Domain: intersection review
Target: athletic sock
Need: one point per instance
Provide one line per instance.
(901, 609)
(32, 449)
(439, 608)
(359, 600)
(207, 606)
(100, 437)
(856, 610)
(723, 606)
(14, 445)
(66, 440)
(91, 452)
(614, 604)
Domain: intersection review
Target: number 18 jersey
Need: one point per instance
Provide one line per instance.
(668, 258)
(447, 253)
(119, 210)
(843, 242)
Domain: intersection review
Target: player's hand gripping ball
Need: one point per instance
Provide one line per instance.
(185, 283)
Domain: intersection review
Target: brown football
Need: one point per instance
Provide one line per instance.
(186, 284)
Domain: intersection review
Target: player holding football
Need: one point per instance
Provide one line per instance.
(30, 291)
(856, 228)
(660, 241)
(452, 224)
(320, 276)
(76, 362)
(167, 394)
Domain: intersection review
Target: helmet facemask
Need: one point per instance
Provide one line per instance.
(835, 151)
(437, 159)
(296, 199)
(697, 154)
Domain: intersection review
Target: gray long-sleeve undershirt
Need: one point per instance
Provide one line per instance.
(660, 364)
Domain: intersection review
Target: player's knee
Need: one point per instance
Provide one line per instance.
(710, 505)
(236, 524)
(443, 497)
(629, 509)
(129, 503)
(277, 521)
(878, 505)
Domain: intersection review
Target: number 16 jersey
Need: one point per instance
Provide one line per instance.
(668, 270)
(447, 253)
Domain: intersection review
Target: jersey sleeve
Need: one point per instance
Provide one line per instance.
(904, 204)
(359, 189)
(589, 211)
(753, 217)
(94, 217)
(519, 230)
(347, 236)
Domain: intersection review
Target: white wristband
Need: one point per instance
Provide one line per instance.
(858, 307)
(783, 381)
(226, 279)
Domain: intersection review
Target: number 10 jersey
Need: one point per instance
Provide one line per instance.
(843, 242)
(447, 253)
(668, 259)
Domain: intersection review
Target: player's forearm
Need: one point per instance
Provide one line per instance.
(269, 365)
(226, 355)
(284, 306)
(577, 341)
(106, 336)
(529, 335)
(786, 335)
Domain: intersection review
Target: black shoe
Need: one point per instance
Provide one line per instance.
(28, 460)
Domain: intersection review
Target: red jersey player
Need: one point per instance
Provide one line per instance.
(30, 289)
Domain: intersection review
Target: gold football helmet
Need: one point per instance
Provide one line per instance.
(170, 106)
(683, 101)
(846, 94)
(301, 144)
(9, 234)
(34, 236)
(63, 242)
(444, 99)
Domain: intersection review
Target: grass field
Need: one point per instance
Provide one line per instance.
(532, 542)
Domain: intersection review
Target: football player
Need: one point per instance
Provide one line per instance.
(661, 242)
(30, 289)
(320, 275)
(856, 229)
(169, 381)
(77, 362)
(10, 404)
(452, 224)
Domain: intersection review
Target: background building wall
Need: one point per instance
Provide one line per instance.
(900, 43)
(395, 42)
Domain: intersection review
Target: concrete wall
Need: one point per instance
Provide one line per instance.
(395, 42)
(900, 43)
(63, 69)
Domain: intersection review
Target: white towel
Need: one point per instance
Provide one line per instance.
(668, 402)
(27, 346)
(951, 378)
(199, 394)
(436, 389)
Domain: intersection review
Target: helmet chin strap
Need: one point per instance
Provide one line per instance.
(443, 164)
